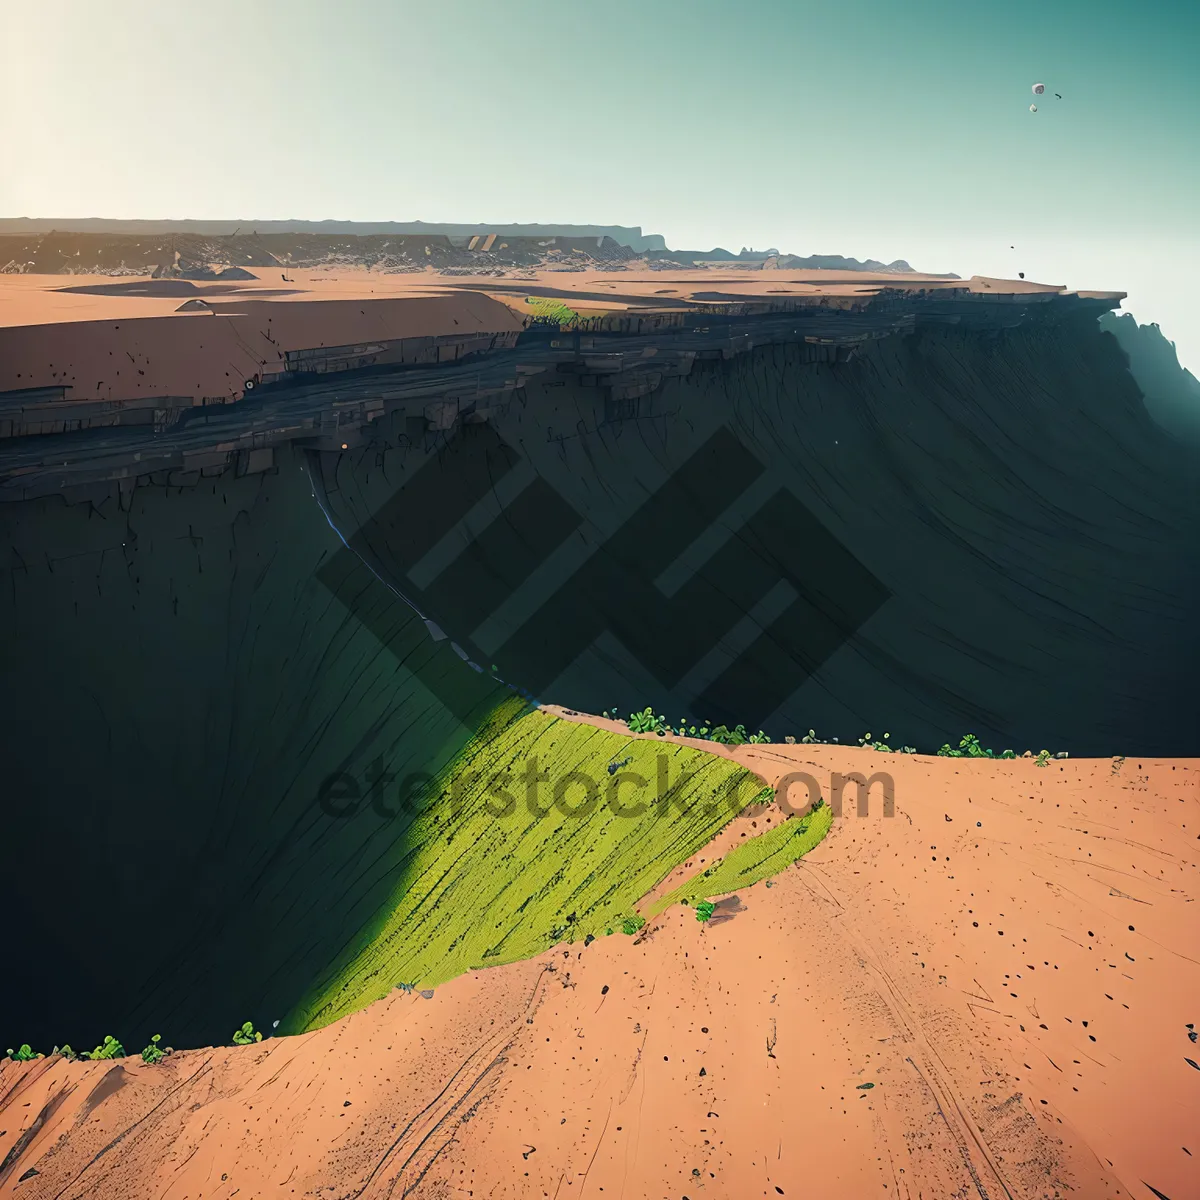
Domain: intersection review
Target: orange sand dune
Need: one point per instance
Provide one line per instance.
(1011, 960)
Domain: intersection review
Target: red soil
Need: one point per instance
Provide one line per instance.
(1009, 960)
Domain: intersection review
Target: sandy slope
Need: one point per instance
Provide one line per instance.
(123, 339)
(1009, 960)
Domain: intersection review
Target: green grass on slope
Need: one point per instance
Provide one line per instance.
(555, 310)
(756, 859)
(498, 870)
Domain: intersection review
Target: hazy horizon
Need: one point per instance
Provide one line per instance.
(869, 130)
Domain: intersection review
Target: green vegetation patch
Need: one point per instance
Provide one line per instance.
(543, 831)
(153, 1053)
(247, 1035)
(109, 1048)
(555, 311)
(755, 859)
(648, 721)
(23, 1053)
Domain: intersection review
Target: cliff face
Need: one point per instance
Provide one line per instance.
(954, 531)
(1171, 391)
(946, 534)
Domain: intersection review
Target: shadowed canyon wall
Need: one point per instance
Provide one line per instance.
(953, 532)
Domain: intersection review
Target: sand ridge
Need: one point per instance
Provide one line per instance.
(1008, 962)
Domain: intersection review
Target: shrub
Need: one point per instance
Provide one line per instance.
(23, 1053)
(110, 1048)
(968, 747)
(152, 1054)
(704, 910)
(729, 737)
(66, 1052)
(1043, 758)
(247, 1035)
(631, 925)
(647, 721)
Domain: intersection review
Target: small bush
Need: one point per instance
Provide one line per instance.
(631, 925)
(647, 721)
(968, 747)
(1043, 758)
(110, 1048)
(152, 1054)
(66, 1052)
(729, 737)
(705, 910)
(247, 1035)
(23, 1053)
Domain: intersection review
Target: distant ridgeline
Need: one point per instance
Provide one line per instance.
(626, 236)
(196, 249)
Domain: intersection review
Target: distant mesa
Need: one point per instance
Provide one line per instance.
(216, 250)
(631, 236)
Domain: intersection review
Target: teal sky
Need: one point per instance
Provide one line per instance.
(862, 127)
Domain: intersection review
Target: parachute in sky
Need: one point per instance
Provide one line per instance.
(1038, 88)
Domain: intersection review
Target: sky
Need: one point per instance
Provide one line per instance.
(870, 128)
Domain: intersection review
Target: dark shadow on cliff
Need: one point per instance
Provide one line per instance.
(1171, 391)
(208, 731)
(953, 532)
